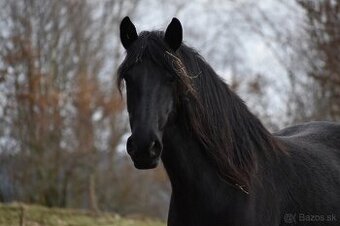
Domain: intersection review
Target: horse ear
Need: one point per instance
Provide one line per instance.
(128, 33)
(174, 34)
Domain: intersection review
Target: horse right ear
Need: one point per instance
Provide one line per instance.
(174, 34)
(128, 33)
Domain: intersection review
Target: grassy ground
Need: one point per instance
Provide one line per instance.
(31, 215)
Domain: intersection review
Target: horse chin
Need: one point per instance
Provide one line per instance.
(145, 165)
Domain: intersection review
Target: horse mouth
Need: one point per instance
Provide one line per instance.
(146, 164)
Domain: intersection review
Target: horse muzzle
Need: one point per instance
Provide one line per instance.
(144, 154)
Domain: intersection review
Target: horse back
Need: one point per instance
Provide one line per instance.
(315, 133)
(313, 166)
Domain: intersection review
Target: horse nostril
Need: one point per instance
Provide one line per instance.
(155, 148)
(129, 146)
(153, 144)
(152, 149)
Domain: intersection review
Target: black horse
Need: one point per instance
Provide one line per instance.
(225, 168)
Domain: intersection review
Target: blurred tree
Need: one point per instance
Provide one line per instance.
(53, 55)
(306, 45)
(323, 53)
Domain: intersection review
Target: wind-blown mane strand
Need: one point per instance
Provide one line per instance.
(151, 44)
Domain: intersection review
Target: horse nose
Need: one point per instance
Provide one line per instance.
(142, 148)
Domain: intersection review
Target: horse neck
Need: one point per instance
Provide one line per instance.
(190, 171)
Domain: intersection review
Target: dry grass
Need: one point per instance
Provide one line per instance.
(31, 215)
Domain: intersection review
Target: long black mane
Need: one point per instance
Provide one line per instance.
(232, 136)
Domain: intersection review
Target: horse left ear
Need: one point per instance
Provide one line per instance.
(128, 33)
(174, 34)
